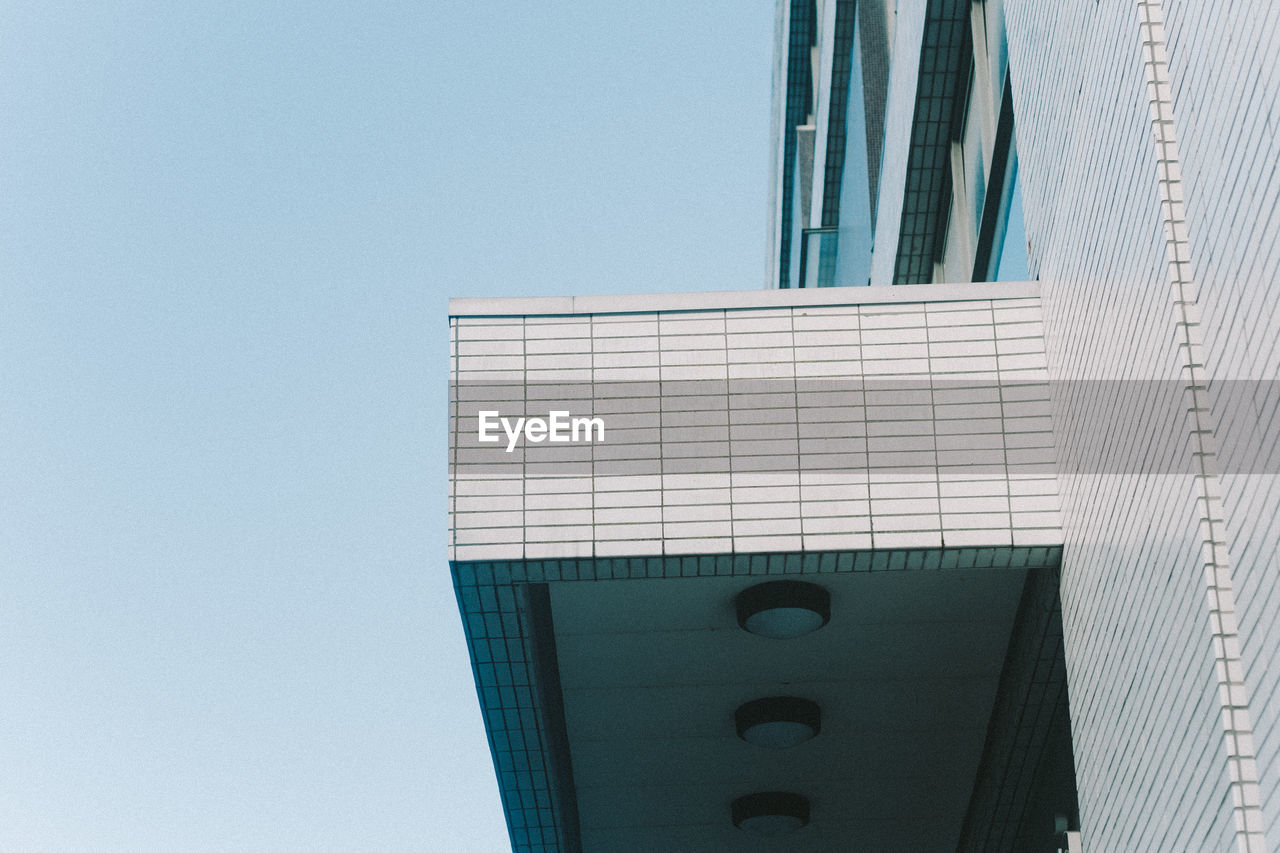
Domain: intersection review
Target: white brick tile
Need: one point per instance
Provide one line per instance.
(983, 537)
(908, 539)
(490, 332)
(979, 365)
(824, 323)
(631, 328)
(768, 355)
(510, 551)
(891, 316)
(560, 516)
(1023, 314)
(694, 324)
(821, 488)
(580, 333)
(762, 370)
(754, 321)
(558, 376)
(1022, 485)
(1013, 331)
(702, 371)
(694, 449)
(558, 360)
(641, 528)
(679, 512)
(485, 536)
(558, 550)
(774, 340)
(786, 509)
(837, 541)
(630, 499)
(673, 482)
(816, 507)
(843, 351)
(628, 547)
(568, 498)
(989, 504)
(558, 533)
(1037, 536)
(471, 363)
(678, 497)
(481, 348)
(707, 416)
(1023, 520)
(770, 543)
(817, 339)
(780, 430)
(855, 524)
(849, 311)
(960, 333)
(637, 344)
(1023, 374)
(975, 521)
(703, 545)
(765, 480)
(954, 348)
(1021, 345)
(751, 527)
(1035, 503)
(626, 484)
(484, 485)
(487, 504)
(1022, 361)
(647, 358)
(827, 446)
(837, 368)
(885, 368)
(692, 356)
(875, 336)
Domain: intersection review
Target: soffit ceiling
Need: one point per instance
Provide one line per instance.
(905, 672)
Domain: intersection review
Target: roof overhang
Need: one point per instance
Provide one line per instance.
(609, 686)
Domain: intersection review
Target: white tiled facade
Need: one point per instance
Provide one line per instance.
(854, 420)
(1148, 138)
(1225, 88)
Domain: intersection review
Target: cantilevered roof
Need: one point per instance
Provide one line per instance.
(831, 436)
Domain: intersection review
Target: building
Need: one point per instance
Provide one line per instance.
(1030, 525)
(894, 158)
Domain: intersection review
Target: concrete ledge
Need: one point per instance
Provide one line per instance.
(719, 300)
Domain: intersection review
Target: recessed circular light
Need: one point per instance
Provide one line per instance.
(783, 609)
(770, 813)
(778, 722)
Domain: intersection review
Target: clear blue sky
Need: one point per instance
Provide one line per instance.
(227, 234)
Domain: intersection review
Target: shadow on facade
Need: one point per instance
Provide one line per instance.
(1024, 795)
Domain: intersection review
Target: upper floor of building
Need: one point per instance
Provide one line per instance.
(893, 158)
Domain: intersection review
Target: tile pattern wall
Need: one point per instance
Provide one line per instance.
(1233, 694)
(1154, 679)
(759, 430)
(1225, 87)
